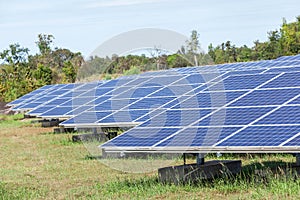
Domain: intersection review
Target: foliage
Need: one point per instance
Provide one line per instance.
(132, 70)
(285, 41)
(21, 73)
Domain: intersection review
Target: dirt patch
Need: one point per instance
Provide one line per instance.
(4, 109)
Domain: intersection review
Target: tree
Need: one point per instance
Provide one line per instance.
(15, 55)
(44, 43)
(70, 72)
(42, 75)
(193, 46)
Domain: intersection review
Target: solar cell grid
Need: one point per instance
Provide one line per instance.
(261, 136)
(263, 95)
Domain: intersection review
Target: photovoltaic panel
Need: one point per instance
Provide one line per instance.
(293, 142)
(209, 99)
(262, 136)
(232, 116)
(286, 80)
(284, 115)
(176, 117)
(267, 97)
(87, 117)
(242, 82)
(197, 136)
(205, 105)
(31, 95)
(123, 116)
(137, 135)
(254, 113)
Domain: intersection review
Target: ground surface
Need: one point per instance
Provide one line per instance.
(36, 164)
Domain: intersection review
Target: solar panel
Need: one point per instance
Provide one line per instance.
(254, 112)
(202, 108)
(262, 136)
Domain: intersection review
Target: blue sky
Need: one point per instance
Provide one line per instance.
(82, 25)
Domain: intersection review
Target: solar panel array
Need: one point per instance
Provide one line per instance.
(238, 107)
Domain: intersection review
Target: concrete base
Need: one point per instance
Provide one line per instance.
(50, 123)
(193, 173)
(63, 130)
(99, 137)
(28, 116)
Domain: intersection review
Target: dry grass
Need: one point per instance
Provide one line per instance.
(36, 164)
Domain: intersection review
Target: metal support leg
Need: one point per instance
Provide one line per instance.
(184, 159)
(200, 159)
(298, 159)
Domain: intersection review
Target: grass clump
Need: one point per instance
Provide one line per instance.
(17, 120)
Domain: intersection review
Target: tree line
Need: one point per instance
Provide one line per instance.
(21, 72)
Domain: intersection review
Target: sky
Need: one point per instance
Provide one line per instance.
(82, 25)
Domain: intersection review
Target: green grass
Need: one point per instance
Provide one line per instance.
(37, 165)
(16, 120)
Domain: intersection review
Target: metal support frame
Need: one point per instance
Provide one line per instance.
(184, 159)
(297, 159)
(200, 159)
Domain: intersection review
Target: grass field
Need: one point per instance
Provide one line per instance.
(36, 164)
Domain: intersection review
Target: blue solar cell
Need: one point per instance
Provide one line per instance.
(242, 82)
(176, 118)
(87, 86)
(261, 136)
(124, 116)
(67, 103)
(57, 111)
(56, 102)
(197, 136)
(78, 101)
(175, 103)
(246, 72)
(76, 110)
(86, 117)
(18, 101)
(234, 116)
(286, 80)
(100, 99)
(147, 103)
(284, 115)
(141, 137)
(58, 92)
(164, 92)
(165, 80)
(294, 142)
(119, 91)
(69, 87)
(295, 101)
(44, 99)
(284, 69)
(267, 97)
(116, 104)
(40, 110)
(200, 78)
(102, 91)
(209, 99)
(136, 82)
(110, 83)
(138, 92)
(28, 106)
(34, 94)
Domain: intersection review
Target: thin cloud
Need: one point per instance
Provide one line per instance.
(29, 6)
(116, 3)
